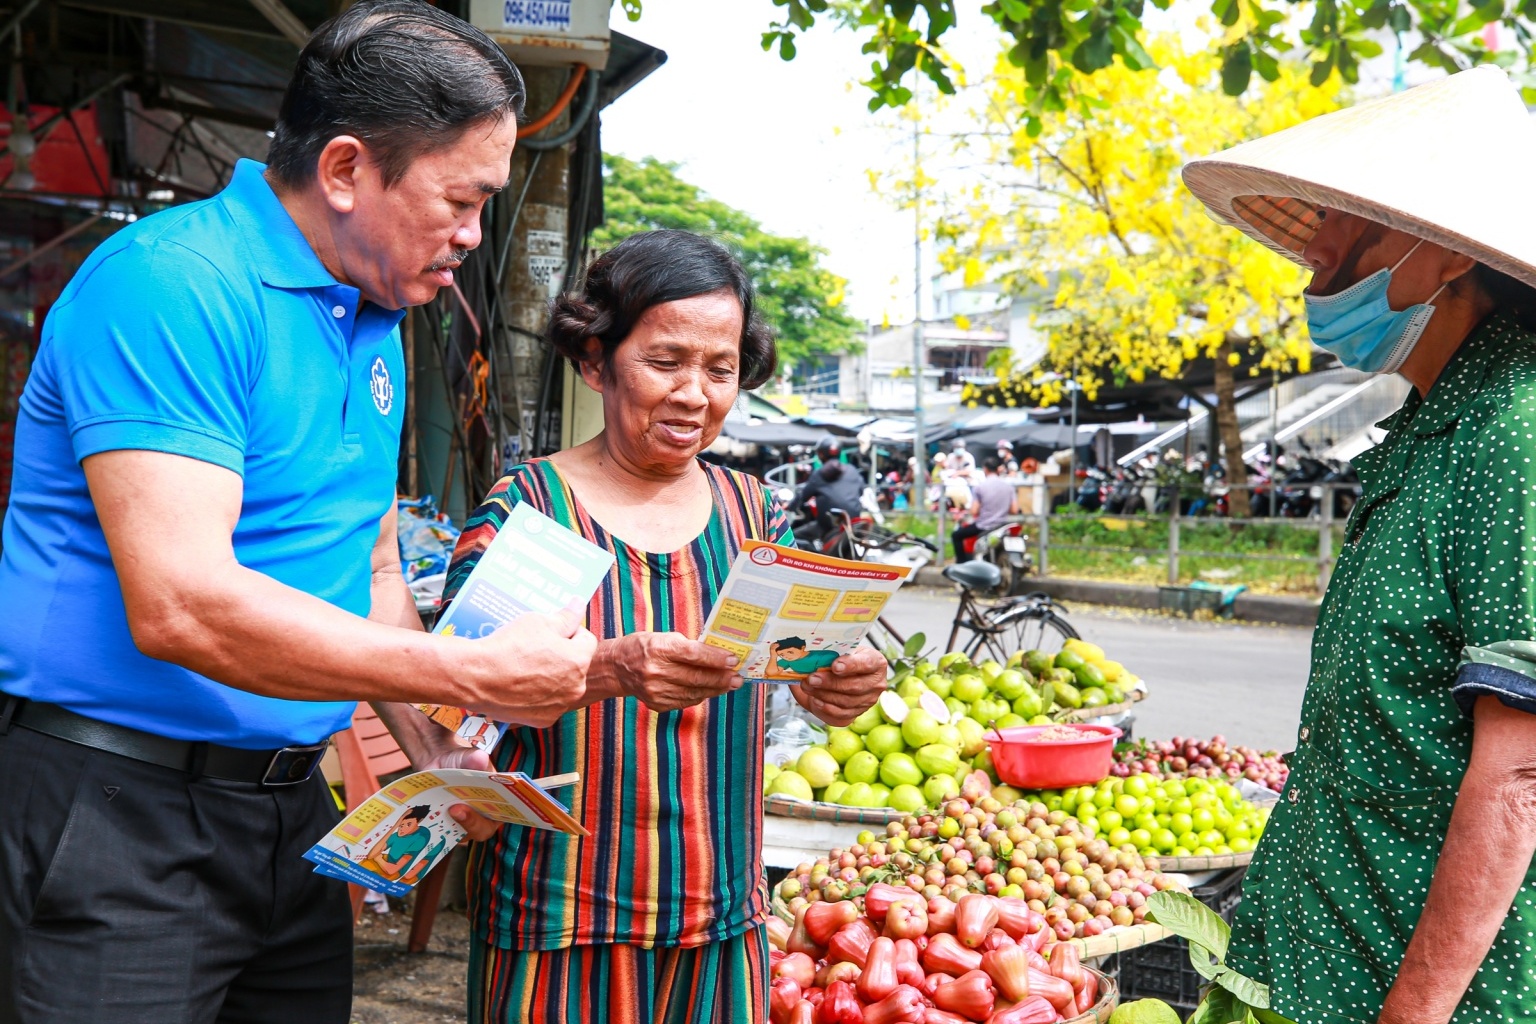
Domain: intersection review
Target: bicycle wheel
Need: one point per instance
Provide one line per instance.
(1022, 627)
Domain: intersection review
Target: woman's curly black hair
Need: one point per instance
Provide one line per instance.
(647, 270)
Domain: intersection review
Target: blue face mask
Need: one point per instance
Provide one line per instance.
(1359, 326)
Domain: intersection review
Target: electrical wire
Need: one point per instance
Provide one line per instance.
(578, 122)
(578, 73)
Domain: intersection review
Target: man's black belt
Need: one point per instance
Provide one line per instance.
(284, 767)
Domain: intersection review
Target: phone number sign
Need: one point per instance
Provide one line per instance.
(545, 14)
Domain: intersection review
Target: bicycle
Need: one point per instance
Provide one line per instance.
(1024, 623)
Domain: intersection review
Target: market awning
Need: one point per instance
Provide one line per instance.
(775, 435)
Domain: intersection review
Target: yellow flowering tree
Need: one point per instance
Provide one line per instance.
(1089, 217)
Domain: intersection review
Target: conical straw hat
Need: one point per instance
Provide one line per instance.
(1453, 162)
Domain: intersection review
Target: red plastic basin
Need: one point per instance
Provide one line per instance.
(1027, 765)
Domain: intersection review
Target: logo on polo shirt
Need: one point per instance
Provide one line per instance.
(378, 384)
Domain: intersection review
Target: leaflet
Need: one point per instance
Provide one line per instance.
(532, 565)
(786, 613)
(395, 837)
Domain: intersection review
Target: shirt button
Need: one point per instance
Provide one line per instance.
(1306, 732)
(1293, 795)
(338, 311)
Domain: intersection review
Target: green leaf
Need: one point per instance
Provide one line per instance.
(1190, 920)
(1048, 691)
(786, 46)
(1131, 51)
(1375, 16)
(1218, 1007)
(1321, 70)
(1236, 69)
(1094, 53)
(1254, 993)
(1264, 1016)
(1399, 18)
(914, 645)
(1266, 65)
(1205, 963)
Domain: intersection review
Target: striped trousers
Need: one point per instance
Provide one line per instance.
(717, 983)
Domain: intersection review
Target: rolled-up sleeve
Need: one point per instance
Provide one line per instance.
(1494, 569)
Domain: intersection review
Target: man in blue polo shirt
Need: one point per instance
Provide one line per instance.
(200, 574)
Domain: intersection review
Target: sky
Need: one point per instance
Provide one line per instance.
(789, 143)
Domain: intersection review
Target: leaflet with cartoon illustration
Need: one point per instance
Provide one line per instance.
(396, 836)
(786, 613)
(532, 565)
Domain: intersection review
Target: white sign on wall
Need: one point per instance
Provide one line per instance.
(546, 259)
(536, 14)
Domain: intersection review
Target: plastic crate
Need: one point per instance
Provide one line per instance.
(1162, 970)
(1188, 600)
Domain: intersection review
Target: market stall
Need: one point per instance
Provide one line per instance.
(1004, 782)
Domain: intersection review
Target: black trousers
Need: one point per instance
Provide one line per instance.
(960, 536)
(135, 893)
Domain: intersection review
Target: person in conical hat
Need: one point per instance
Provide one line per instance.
(1394, 882)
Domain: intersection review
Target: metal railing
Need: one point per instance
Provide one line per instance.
(1324, 522)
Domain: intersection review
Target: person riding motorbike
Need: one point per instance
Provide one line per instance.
(834, 486)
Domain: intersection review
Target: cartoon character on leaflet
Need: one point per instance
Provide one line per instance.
(791, 658)
(407, 851)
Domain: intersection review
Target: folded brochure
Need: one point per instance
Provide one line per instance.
(786, 613)
(533, 564)
(396, 836)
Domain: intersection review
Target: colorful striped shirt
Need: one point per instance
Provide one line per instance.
(673, 800)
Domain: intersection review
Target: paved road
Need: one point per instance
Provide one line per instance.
(1237, 679)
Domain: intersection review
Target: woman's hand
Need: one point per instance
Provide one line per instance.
(668, 671)
(478, 827)
(839, 694)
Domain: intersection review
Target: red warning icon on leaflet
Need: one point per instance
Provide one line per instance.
(765, 556)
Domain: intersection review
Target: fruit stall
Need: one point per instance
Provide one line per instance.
(985, 816)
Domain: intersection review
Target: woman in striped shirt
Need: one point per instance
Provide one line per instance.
(657, 915)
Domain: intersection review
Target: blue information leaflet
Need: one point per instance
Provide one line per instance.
(533, 565)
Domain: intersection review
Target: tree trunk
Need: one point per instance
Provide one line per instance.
(1231, 436)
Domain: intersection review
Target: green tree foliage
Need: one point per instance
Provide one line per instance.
(1054, 41)
(800, 299)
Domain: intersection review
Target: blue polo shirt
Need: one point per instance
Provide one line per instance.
(210, 331)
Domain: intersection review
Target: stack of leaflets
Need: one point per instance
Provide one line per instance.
(403, 831)
(533, 565)
(787, 613)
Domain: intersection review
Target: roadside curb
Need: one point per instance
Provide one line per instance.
(1285, 611)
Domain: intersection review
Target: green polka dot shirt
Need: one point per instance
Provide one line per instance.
(1432, 603)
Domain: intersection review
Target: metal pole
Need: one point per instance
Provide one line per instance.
(1325, 541)
(1173, 542)
(1045, 530)
(919, 445)
(941, 532)
(1072, 450)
